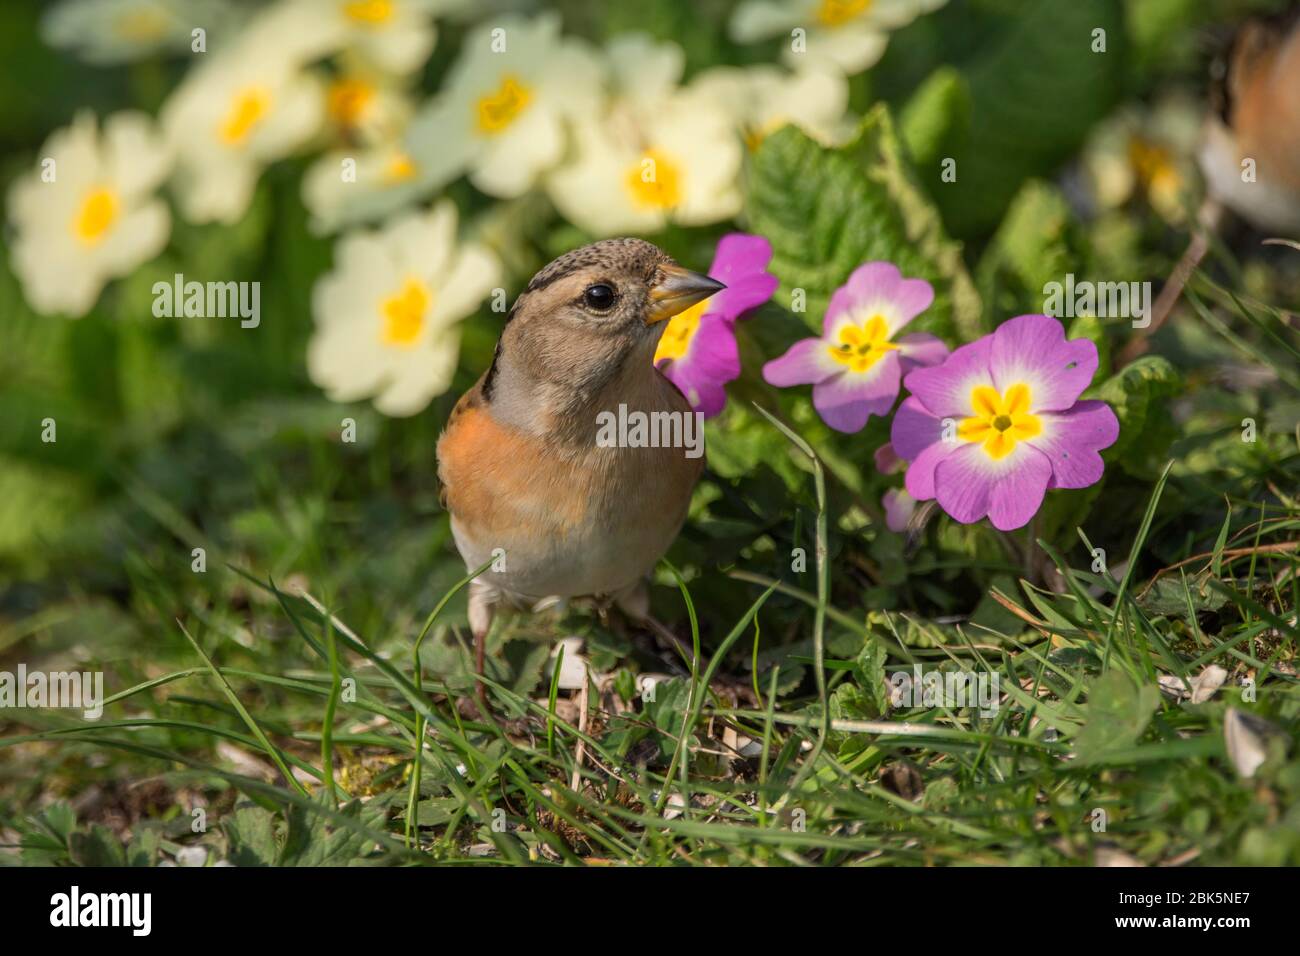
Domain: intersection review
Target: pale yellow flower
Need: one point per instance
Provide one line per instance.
(501, 114)
(656, 153)
(118, 31)
(848, 35)
(762, 99)
(392, 35)
(238, 111)
(388, 315)
(88, 213)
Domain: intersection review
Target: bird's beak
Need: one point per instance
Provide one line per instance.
(677, 291)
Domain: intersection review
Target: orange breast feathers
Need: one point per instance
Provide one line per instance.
(1267, 113)
(495, 477)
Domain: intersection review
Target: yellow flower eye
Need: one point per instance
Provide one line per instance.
(1000, 421)
(862, 346)
(97, 214)
(498, 110)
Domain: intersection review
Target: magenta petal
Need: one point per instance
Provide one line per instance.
(921, 349)
(842, 304)
(874, 280)
(879, 286)
(741, 261)
(739, 253)
(804, 363)
(742, 295)
(887, 460)
(1071, 440)
(918, 436)
(1033, 349)
(945, 389)
(712, 360)
(899, 506)
(914, 429)
(846, 401)
(970, 485)
(911, 298)
(868, 285)
(919, 478)
(881, 282)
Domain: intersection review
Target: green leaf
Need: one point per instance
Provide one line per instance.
(1117, 712)
(250, 833)
(312, 840)
(666, 712)
(827, 211)
(1169, 597)
(1035, 90)
(143, 848)
(936, 118)
(1139, 393)
(870, 666)
(1032, 247)
(99, 847)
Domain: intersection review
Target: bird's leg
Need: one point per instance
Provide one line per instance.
(482, 597)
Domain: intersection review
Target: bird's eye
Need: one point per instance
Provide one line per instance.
(599, 297)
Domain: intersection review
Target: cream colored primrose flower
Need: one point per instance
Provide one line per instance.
(371, 174)
(97, 218)
(848, 35)
(346, 187)
(502, 112)
(656, 153)
(388, 316)
(762, 99)
(118, 31)
(392, 35)
(1147, 152)
(236, 113)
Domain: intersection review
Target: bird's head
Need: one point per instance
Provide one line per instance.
(592, 315)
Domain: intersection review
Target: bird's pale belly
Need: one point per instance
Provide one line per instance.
(565, 532)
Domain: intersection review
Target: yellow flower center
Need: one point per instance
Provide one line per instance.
(655, 182)
(862, 346)
(676, 340)
(348, 100)
(404, 313)
(399, 168)
(497, 111)
(98, 212)
(1156, 170)
(369, 12)
(248, 108)
(836, 13)
(999, 421)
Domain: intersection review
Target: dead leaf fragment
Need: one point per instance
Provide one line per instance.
(1247, 738)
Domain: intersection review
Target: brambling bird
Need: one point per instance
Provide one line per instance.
(523, 476)
(1255, 117)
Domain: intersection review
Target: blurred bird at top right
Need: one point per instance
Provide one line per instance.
(1250, 150)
